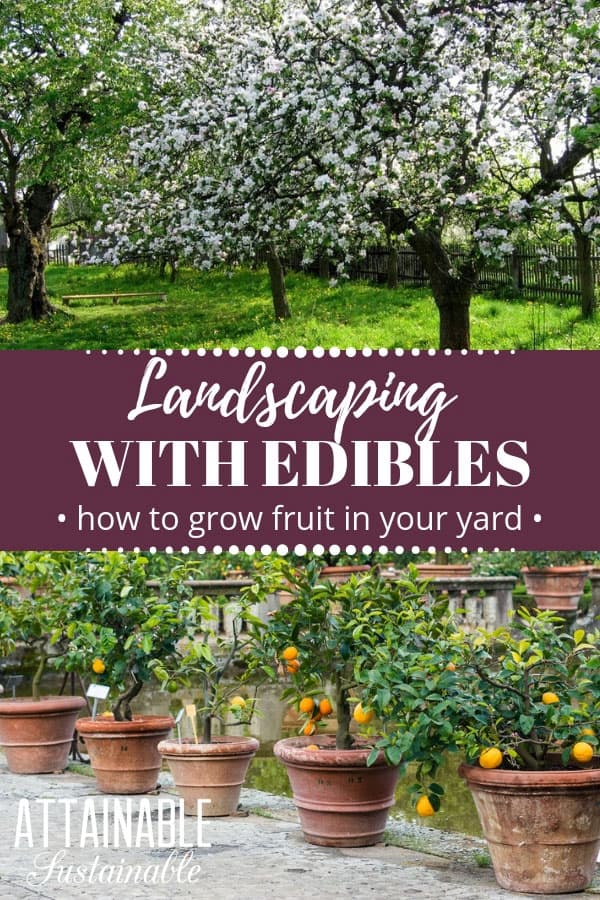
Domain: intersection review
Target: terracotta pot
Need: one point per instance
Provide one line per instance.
(214, 772)
(341, 802)
(542, 828)
(340, 574)
(37, 734)
(124, 755)
(450, 570)
(556, 587)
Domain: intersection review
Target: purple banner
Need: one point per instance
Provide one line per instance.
(298, 448)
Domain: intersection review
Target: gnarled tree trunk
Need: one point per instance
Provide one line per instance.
(452, 287)
(27, 223)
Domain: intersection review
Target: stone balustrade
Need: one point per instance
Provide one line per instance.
(486, 600)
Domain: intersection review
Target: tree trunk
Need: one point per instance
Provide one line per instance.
(277, 276)
(343, 738)
(583, 245)
(122, 708)
(455, 328)
(392, 268)
(324, 273)
(27, 223)
(451, 285)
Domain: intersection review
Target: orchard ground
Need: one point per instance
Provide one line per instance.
(219, 310)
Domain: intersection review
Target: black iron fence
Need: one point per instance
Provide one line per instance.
(58, 254)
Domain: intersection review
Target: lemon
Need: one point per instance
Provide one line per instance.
(490, 758)
(98, 666)
(549, 697)
(237, 702)
(582, 752)
(306, 705)
(362, 716)
(424, 807)
(289, 653)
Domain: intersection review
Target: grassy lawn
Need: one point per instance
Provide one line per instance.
(214, 309)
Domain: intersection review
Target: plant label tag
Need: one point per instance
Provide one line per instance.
(179, 716)
(99, 691)
(190, 710)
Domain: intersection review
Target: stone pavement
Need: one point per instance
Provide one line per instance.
(256, 855)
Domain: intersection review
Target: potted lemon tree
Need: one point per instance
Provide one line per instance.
(206, 765)
(320, 645)
(36, 732)
(118, 624)
(522, 705)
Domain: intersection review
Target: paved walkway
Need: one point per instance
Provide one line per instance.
(256, 855)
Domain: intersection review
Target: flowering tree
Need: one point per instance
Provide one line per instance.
(326, 123)
(71, 76)
(446, 107)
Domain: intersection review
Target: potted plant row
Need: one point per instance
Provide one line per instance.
(521, 705)
(110, 621)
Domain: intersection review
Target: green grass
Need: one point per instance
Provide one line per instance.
(215, 309)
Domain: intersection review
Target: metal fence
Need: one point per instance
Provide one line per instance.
(58, 254)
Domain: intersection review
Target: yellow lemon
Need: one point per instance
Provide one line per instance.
(306, 705)
(587, 732)
(362, 716)
(98, 666)
(490, 758)
(290, 653)
(237, 702)
(312, 747)
(582, 752)
(424, 807)
(549, 697)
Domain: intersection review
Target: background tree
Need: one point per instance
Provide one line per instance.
(71, 77)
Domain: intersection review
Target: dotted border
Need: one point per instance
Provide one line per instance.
(303, 352)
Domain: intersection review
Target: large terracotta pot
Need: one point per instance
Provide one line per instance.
(556, 587)
(124, 755)
(214, 772)
(542, 828)
(37, 734)
(341, 802)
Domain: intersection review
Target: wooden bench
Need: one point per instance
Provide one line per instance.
(115, 296)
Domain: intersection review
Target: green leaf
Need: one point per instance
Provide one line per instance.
(579, 635)
(371, 758)
(526, 724)
(393, 754)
